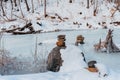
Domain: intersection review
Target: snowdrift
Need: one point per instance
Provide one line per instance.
(73, 69)
(73, 59)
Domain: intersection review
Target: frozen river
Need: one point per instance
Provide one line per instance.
(24, 45)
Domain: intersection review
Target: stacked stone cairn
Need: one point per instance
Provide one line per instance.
(79, 40)
(54, 61)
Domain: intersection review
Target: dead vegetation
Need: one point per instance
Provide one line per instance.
(21, 65)
(21, 30)
(107, 45)
(10, 65)
(116, 23)
(56, 17)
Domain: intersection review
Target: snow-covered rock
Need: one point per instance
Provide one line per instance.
(73, 59)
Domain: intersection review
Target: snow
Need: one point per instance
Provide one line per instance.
(49, 41)
(102, 69)
(73, 67)
(64, 10)
(70, 56)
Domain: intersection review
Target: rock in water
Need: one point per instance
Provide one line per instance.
(54, 60)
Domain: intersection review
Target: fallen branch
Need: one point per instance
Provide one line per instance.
(3, 18)
(11, 30)
(59, 17)
(20, 18)
(107, 45)
(26, 26)
(28, 32)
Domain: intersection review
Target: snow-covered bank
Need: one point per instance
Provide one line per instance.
(74, 16)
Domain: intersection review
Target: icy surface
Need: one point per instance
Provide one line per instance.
(24, 45)
(73, 68)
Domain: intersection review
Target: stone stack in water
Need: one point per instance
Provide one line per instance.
(55, 61)
(61, 41)
(79, 40)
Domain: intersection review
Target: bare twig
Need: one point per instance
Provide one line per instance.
(3, 18)
(32, 6)
(20, 17)
(35, 54)
(21, 9)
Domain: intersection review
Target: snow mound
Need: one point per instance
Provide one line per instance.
(103, 70)
(73, 59)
